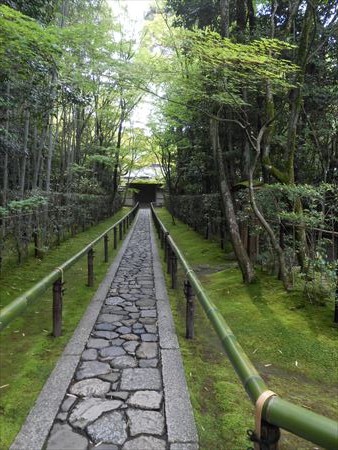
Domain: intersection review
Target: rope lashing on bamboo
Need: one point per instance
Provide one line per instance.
(260, 402)
(60, 269)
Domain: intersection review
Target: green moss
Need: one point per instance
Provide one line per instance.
(28, 351)
(292, 344)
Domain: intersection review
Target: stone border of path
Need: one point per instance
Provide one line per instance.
(181, 428)
(39, 421)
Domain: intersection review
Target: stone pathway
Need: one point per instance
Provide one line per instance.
(116, 399)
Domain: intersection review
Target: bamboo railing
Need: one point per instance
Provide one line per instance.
(271, 411)
(55, 278)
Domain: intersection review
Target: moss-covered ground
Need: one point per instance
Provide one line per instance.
(28, 352)
(292, 343)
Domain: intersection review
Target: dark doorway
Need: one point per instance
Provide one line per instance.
(146, 193)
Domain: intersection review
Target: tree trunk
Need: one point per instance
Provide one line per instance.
(25, 154)
(37, 165)
(5, 179)
(274, 240)
(243, 260)
(241, 15)
(50, 138)
(224, 12)
(50, 155)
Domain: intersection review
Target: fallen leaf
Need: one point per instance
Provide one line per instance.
(254, 351)
(3, 386)
(23, 334)
(296, 363)
(267, 365)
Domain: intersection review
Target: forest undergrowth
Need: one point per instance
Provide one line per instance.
(291, 342)
(28, 352)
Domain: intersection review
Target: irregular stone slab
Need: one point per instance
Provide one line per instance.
(148, 292)
(131, 346)
(148, 313)
(150, 328)
(89, 355)
(134, 315)
(97, 343)
(129, 322)
(137, 326)
(117, 341)
(111, 377)
(145, 443)
(146, 400)
(147, 320)
(112, 301)
(90, 388)
(114, 309)
(92, 369)
(91, 409)
(105, 334)
(148, 362)
(130, 337)
(139, 331)
(68, 403)
(131, 309)
(128, 296)
(122, 362)
(148, 422)
(124, 330)
(120, 395)
(149, 337)
(147, 350)
(134, 379)
(104, 326)
(62, 436)
(111, 352)
(111, 428)
(109, 318)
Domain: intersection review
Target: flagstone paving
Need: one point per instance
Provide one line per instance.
(116, 399)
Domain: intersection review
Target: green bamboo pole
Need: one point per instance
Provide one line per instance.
(281, 413)
(18, 306)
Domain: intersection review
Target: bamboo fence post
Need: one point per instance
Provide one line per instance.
(169, 252)
(173, 271)
(105, 245)
(115, 238)
(57, 307)
(90, 261)
(270, 435)
(190, 309)
(165, 243)
(120, 231)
